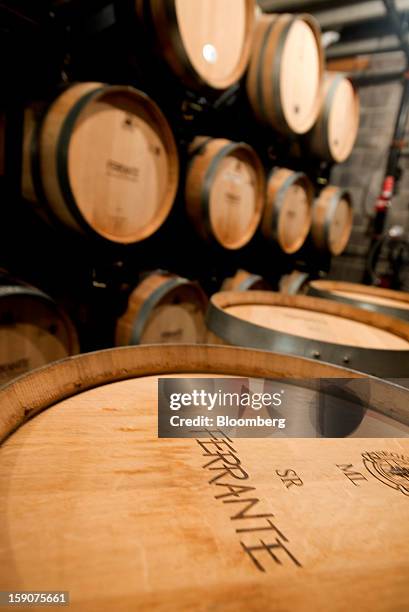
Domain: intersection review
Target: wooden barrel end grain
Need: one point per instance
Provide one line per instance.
(332, 218)
(288, 212)
(206, 43)
(315, 328)
(93, 502)
(285, 72)
(163, 309)
(375, 299)
(105, 161)
(334, 135)
(34, 330)
(224, 191)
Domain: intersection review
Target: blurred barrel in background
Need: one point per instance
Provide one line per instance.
(244, 281)
(332, 220)
(105, 161)
(294, 283)
(375, 299)
(287, 214)
(206, 42)
(224, 191)
(164, 308)
(310, 327)
(34, 330)
(333, 136)
(285, 73)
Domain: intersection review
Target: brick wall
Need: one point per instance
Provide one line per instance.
(364, 171)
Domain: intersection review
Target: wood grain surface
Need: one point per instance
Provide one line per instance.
(94, 503)
(313, 317)
(224, 191)
(319, 326)
(288, 212)
(177, 316)
(34, 331)
(285, 72)
(364, 293)
(207, 42)
(334, 134)
(332, 219)
(110, 166)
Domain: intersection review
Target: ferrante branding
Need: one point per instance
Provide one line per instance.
(223, 399)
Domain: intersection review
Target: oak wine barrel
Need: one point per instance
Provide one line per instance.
(285, 72)
(334, 134)
(245, 281)
(294, 283)
(164, 308)
(34, 330)
(375, 299)
(87, 489)
(105, 161)
(224, 191)
(311, 327)
(288, 211)
(206, 42)
(332, 218)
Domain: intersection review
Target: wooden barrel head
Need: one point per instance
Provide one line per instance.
(332, 220)
(287, 215)
(344, 121)
(108, 162)
(121, 144)
(233, 201)
(286, 68)
(312, 327)
(318, 326)
(92, 502)
(33, 332)
(163, 309)
(374, 299)
(225, 192)
(340, 228)
(300, 76)
(206, 42)
(377, 299)
(334, 135)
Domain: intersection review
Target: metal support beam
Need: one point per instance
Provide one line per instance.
(290, 6)
(364, 47)
(361, 12)
(336, 15)
(375, 78)
(400, 27)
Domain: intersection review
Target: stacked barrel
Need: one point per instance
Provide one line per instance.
(96, 497)
(102, 160)
(106, 162)
(34, 329)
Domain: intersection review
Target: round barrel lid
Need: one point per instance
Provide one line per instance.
(122, 165)
(300, 76)
(215, 35)
(88, 489)
(234, 202)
